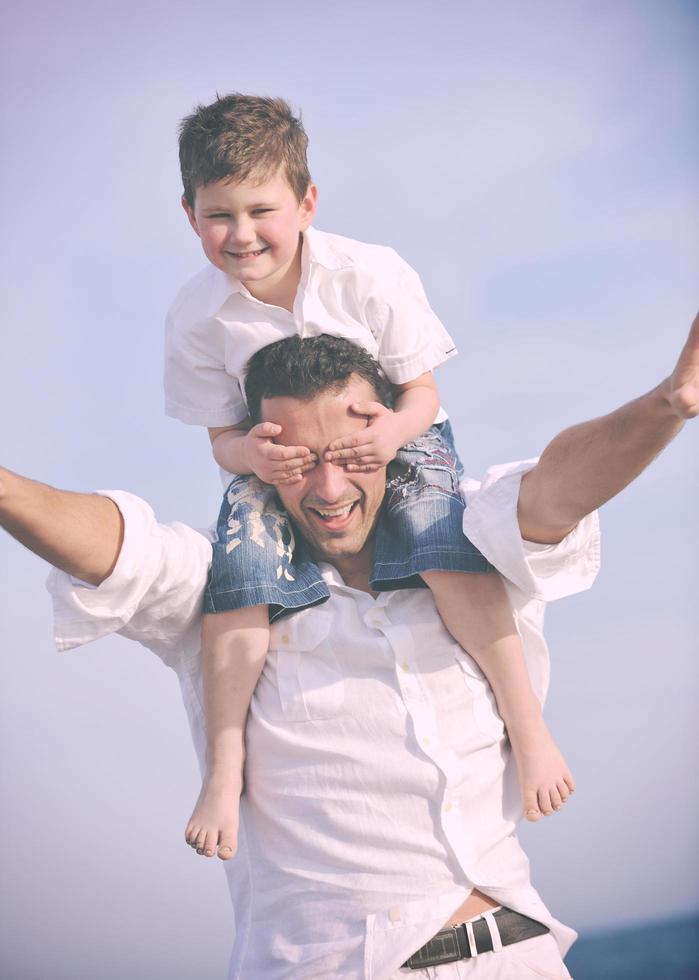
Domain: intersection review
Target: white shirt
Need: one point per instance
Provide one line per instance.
(365, 293)
(379, 788)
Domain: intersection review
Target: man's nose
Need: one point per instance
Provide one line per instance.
(329, 481)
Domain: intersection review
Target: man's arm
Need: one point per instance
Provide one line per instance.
(79, 533)
(588, 464)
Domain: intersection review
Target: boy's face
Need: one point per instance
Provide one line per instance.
(251, 230)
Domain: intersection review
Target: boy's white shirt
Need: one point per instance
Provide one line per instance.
(365, 293)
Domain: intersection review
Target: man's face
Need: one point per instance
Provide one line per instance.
(251, 230)
(334, 510)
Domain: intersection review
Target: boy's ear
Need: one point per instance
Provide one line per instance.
(190, 214)
(308, 206)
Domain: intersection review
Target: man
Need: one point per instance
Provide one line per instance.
(379, 803)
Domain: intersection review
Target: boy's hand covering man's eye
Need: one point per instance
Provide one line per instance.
(371, 448)
(273, 463)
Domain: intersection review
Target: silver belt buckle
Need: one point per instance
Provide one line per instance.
(442, 948)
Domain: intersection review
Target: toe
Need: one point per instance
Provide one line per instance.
(210, 843)
(563, 790)
(555, 797)
(227, 845)
(531, 806)
(545, 802)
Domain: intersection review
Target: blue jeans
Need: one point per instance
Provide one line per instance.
(257, 559)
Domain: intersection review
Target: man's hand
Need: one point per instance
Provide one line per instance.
(373, 447)
(80, 533)
(272, 463)
(588, 464)
(683, 383)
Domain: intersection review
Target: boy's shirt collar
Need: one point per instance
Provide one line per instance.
(323, 250)
(318, 249)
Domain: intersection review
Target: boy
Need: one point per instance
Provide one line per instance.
(249, 197)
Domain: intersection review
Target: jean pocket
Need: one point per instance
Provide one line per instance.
(309, 679)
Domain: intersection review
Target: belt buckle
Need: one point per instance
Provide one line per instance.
(442, 948)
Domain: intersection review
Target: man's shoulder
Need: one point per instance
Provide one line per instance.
(199, 297)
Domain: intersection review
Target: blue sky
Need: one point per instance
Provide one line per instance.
(536, 162)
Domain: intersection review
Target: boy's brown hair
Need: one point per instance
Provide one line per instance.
(239, 137)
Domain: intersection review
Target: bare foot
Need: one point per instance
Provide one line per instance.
(213, 827)
(683, 384)
(544, 778)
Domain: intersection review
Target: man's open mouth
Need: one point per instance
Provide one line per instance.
(334, 518)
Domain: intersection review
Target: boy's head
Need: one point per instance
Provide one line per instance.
(247, 188)
(242, 138)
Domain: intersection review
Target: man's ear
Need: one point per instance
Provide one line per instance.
(308, 206)
(190, 214)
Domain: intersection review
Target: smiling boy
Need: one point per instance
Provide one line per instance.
(248, 195)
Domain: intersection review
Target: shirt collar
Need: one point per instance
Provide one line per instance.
(323, 250)
(223, 287)
(335, 583)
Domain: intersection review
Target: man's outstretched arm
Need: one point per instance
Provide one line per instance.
(80, 533)
(588, 464)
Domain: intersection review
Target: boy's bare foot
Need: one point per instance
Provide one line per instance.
(213, 827)
(544, 778)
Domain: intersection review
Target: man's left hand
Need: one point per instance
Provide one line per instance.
(683, 384)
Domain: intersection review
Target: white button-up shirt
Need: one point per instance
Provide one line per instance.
(379, 785)
(365, 293)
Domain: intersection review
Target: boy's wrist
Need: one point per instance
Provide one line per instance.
(231, 452)
(408, 428)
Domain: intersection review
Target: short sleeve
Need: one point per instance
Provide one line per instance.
(154, 595)
(198, 389)
(412, 339)
(544, 572)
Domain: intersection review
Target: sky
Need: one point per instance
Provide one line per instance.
(536, 162)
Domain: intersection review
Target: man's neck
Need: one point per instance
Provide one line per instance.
(354, 570)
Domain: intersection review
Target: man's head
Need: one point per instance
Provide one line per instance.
(307, 386)
(247, 188)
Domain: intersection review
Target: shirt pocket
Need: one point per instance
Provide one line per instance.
(485, 710)
(309, 679)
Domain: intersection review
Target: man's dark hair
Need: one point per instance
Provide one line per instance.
(243, 137)
(303, 367)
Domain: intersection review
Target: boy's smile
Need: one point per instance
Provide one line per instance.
(252, 231)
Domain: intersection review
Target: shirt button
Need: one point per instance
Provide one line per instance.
(284, 638)
(406, 668)
(376, 623)
(425, 741)
(447, 807)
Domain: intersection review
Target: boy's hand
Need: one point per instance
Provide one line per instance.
(371, 448)
(273, 463)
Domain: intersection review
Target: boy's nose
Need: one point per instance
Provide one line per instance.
(243, 232)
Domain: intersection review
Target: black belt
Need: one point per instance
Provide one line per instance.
(452, 944)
